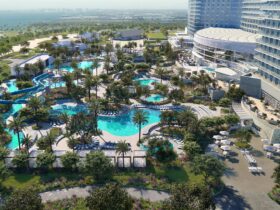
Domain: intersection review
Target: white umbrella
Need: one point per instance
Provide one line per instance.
(269, 148)
(225, 148)
(277, 146)
(217, 142)
(225, 153)
(218, 137)
(226, 142)
(224, 133)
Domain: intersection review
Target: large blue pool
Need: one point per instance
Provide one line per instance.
(146, 82)
(82, 65)
(116, 125)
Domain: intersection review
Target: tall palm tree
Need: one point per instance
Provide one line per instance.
(107, 64)
(26, 141)
(122, 148)
(140, 117)
(34, 104)
(68, 82)
(95, 106)
(96, 82)
(17, 125)
(161, 73)
(57, 63)
(95, 65)
(64, 117)
(88, 85)
(50, 139)
(77, 74)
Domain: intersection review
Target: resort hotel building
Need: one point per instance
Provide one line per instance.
(213, 13)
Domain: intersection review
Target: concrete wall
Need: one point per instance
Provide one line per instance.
(251, 86)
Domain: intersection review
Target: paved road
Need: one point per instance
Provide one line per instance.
(83, 192)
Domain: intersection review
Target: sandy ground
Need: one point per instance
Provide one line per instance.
(35, 42)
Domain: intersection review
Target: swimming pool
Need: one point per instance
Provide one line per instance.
(82, 65)
(12, 86)
(116, 125)
(146, 82)
(209, 69)
(155, 98)
(14, 142)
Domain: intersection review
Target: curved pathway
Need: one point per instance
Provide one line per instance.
(83, 192)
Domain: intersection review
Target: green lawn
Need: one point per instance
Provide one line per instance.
(156, 36)
(154, 177)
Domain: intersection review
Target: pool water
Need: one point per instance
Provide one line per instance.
(12, 87)
(116, 125)
(146, 82)
(155, 98)
(209, 69)
(82, 65)
(14, 142)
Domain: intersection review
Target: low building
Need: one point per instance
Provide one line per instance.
(89, 36)
(18, 68)
(124, 37)
(226, 74)
(224, 46)
(71, 45)
(216, 94)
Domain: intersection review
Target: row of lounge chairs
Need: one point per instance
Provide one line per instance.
(109, 113)
(93, 146)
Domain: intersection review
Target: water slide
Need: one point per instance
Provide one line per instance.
(38, 86)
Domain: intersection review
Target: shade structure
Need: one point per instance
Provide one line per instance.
(224, 133)
(226, 142)
(225, 148)
(269, 148)
(218, 137)
(277, 146)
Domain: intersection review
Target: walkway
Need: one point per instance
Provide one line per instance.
(243, 189)
(83, 192)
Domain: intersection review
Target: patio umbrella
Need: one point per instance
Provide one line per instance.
(225, 148)
(225, 153)
(277, 146)
(226, 142)
(224, 133)
(218, 137)
(269, 148)
(217, 142)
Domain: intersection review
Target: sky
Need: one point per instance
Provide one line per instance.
(92, 4)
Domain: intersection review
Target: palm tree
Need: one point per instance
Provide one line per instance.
(57, 63)
(68, 82)
(64, 117)
(50, 139)
(35, 104)
(88, 85)
(95, 65)
(122, 148)
(95, 106)
(140, 117)
(161, 73)
(107, 64)
(77, 74)
(17, 125)
(26, 141)
(96, 82)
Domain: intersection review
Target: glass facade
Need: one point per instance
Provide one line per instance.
(213, 13)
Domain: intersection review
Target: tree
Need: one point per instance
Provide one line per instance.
(208, 166)
(189, 197)
(122, 148)
(70, 160)
(224, 102)
(3, 153)
(235, 93)
(17, 125)
(21, 160)
(46, 142)
(109, 197)
(95, 66)
(99, 166)
(34, 103)
(24, 199)
(64, 117)
(57, 63)
(4, 172)
(243, 135)
(161, 73)
(96, 82)
(140, 118)
(162, 150)
(188, 119)
(276, 175)
(88, 85)
(45, 160)
(192, 149)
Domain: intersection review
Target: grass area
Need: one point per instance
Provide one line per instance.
(154, 177)
(156, 36)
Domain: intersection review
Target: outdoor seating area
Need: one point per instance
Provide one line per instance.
(253, 167)
(223, 142)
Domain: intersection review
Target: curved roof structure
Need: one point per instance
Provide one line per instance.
(230, 39)
(228, 34)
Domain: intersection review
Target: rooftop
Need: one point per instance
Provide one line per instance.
(228, 34)
(35, 59)
(226, 71)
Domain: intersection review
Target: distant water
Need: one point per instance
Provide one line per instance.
(24, 18)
